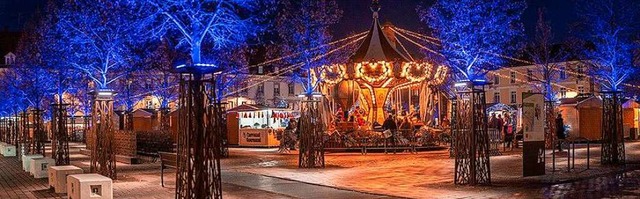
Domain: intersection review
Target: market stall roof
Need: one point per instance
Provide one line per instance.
(593, 102)
(631, 103)
(376, 45)
(248, 107)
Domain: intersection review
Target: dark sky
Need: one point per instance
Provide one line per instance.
(402, 13)
(356, 17)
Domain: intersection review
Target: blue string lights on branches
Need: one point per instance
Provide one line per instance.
(470, 31)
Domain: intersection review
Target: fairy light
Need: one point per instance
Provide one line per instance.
(333, 74)
(292, 68)
(417, 44)
(441, 75)
(312, 49)
(373, 71)
(416, 72)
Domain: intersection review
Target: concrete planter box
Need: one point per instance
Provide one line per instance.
(40, 166)
(89, 186)
(26, 161)
(8, 150)
(58, 177)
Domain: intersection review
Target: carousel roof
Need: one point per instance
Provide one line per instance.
(376, 45)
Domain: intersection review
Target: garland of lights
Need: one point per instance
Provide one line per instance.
(441, 75)
(416, 72)
(333, 74)
(373, 71)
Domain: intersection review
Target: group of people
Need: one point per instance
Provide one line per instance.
(504, 125)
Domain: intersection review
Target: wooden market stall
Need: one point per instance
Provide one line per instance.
(583, 117)
(630, 115)
(256, 125)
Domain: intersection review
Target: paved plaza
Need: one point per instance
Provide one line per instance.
(265, 173)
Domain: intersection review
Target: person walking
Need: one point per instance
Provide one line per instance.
(560, 131)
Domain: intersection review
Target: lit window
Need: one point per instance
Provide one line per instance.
(563, 73)
(260, 69)
(563, 92)
(496, 79)
(496, 97)
(513, 97)
(513, 77)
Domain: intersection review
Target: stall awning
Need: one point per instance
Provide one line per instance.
(248, 107)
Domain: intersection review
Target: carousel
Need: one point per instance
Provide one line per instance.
(378, 82)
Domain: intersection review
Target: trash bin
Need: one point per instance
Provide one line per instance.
(633, 133)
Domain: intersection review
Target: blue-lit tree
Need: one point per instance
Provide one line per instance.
(215, 25)
(475, 35)
(303, 30)
(101, 38)
(549, 59)
(612, 26)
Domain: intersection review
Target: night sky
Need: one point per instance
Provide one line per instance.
(356, 17)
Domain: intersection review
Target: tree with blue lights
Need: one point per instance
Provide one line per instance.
(612, 27)
(99, 38)
(216, 24)
(303, 32)
(474, 34)
(195, 25)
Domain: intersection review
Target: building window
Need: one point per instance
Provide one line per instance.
(291, 89)
(580, 89)
(276, 89)
(580, 72)
(260, 69)
(496, 97)
(496, 79)
(513, 77)
(513, 97)
(529, 75)
(260, 90)
(563, 73)
(563, 92)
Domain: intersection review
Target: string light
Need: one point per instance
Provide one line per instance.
(333, 74)
(373, 71)
(441, 75)
(416, 72)
(417, 44)
(292, 68)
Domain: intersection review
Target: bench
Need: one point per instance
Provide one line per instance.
(167, 160)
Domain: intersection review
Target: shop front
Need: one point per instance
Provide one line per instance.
(257, 125)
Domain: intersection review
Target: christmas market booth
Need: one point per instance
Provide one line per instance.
(380, 81)
(252, 125)
(582, 117)
(631, 113)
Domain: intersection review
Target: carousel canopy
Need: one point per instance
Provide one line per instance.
(376, 45)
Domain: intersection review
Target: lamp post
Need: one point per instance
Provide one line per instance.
(311, 131)
(470, 136)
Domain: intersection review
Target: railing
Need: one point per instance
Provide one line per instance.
(570, 145)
